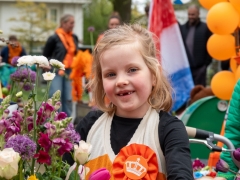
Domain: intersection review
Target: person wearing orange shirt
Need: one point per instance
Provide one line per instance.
(10, 51)
(63, 46)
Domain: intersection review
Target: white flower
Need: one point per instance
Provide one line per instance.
(19, 94)
(48, 76)
(9, 163)
(82, 152)
(57, 64)
(25, 60)
(41, 60)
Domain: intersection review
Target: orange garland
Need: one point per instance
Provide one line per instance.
(81, 66)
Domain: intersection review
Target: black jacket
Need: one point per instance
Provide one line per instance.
(200, 53)
(172, 135)
(54, 48)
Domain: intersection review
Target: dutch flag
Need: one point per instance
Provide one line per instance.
(180, 1)
(163, 23)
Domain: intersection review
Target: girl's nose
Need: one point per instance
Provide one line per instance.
(122, 83)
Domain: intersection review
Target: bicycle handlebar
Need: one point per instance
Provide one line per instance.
(207, 138)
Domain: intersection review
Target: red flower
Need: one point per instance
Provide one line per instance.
(43, 157)
(45, 142)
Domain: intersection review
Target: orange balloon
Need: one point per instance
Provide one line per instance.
(236, 4)
(222, 18)
(207, 4)
(233, 65)
(221, 47)
(222, 84)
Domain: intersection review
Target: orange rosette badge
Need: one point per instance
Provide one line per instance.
(135, 161)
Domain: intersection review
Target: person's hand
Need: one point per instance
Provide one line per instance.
(45, 68)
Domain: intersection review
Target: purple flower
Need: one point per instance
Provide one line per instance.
(222, 166)
(70, 133)
(236, 154)
(91, 29)
(102, 174)
(27, 86)
(23, 145)
(15, 60)
(23, 74)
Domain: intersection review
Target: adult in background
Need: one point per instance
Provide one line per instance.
(63, 46)
(195, 34)
(10, 51)
(113, 22)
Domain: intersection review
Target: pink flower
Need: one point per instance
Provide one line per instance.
(60, 116)
(197, 164)
(48, 109)
(65, 145)
(41, 117)
(30, 123)
(102, 174)
(51, 129)
(11, 130)
(3, 125)
(45, 142)
(43, 157)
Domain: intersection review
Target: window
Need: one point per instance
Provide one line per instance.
(53, 15)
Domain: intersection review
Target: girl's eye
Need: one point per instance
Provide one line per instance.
(110, 74)
(133, 69)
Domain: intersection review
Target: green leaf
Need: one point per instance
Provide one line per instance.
(56, 178)
(39, 176)
(72, 175)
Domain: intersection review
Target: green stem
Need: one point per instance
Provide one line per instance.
(91, 39)
(36, 85)
(60, 167)
(34, 131)
(20, 169)
(76, 172)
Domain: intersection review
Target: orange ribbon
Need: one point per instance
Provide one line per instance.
(135, 161)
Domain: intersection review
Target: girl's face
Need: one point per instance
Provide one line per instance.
(113, 23)
(127, 80)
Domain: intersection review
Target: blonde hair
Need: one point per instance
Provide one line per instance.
(161, 95)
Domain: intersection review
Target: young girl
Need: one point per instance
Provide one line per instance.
(134, 137)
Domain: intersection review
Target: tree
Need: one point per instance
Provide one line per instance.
(96, 14)
(37, 27)
(123, 7)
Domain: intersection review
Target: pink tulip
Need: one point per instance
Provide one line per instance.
(102, 174)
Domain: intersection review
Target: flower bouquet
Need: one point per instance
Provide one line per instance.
(200, 170)
(35, 136)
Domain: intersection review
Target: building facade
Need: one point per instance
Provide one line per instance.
(55, 9)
